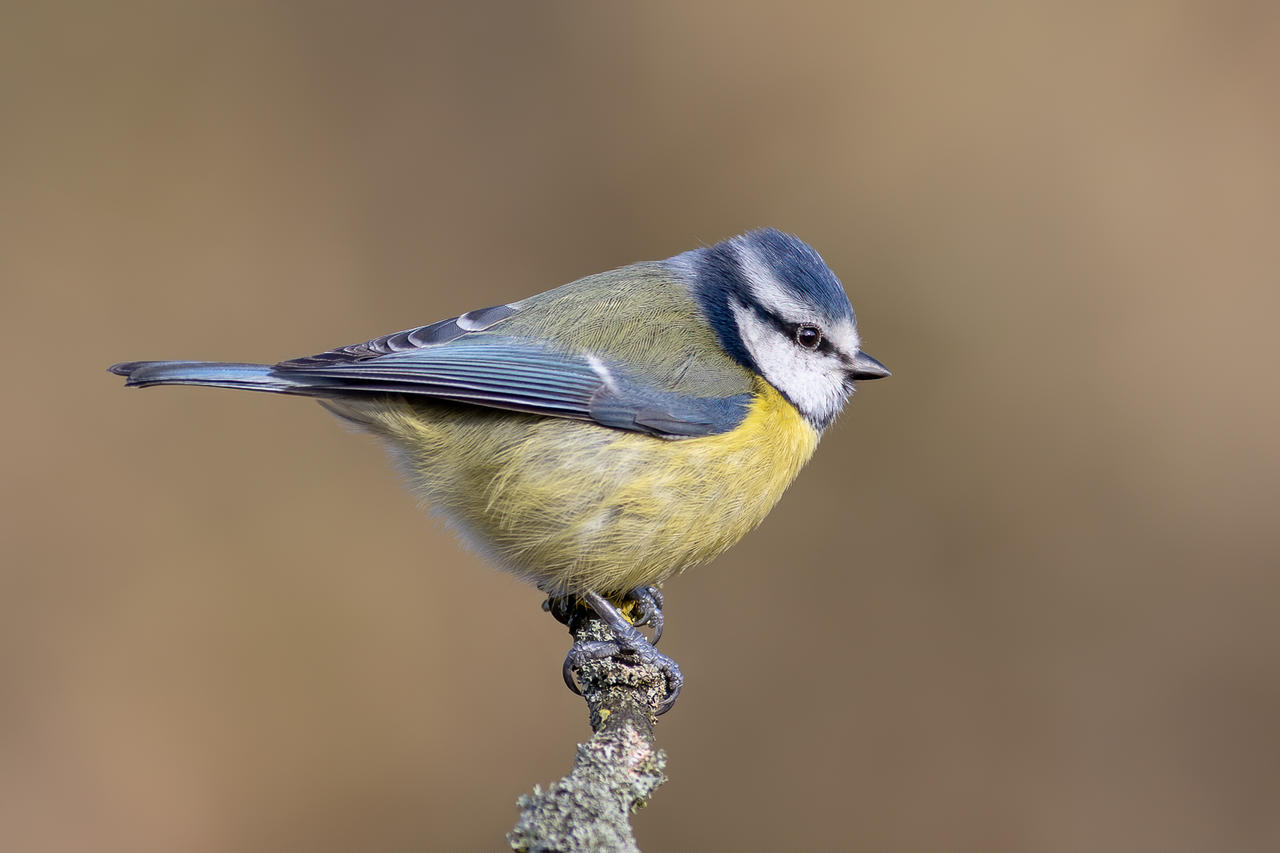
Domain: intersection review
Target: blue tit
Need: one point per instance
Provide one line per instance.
(598, 438)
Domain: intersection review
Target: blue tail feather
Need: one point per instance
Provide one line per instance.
(246, 377)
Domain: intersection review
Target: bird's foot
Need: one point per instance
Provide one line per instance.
(643, 606)
(627, 641)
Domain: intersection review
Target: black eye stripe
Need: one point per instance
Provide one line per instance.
(785, 326)
(790, 329)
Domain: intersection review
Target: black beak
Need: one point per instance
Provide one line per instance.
(865, 367)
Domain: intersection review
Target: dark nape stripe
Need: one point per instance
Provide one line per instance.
(718, 285)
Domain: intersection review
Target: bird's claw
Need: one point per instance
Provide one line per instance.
(646, 609)
(595, 650)
(586, 652)
(627, 640)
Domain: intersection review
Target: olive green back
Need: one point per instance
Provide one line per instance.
(639, 317)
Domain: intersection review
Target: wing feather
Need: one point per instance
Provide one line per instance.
(520, 375)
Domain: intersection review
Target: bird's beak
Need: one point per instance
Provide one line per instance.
(865, 367)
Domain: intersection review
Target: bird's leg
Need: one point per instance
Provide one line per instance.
(627, 641)
(640, 606)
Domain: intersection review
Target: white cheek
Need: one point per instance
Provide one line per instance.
(800, 375)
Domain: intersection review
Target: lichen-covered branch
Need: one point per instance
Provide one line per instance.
(613, 774)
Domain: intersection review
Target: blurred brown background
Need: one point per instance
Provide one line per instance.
(1024, 600)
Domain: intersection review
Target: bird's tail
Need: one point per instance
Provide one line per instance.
(216, 374)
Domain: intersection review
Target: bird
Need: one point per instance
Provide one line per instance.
(600, 437)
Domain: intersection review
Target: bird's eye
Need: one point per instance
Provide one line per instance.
(809, 337)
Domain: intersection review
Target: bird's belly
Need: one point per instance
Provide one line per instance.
(572, 505)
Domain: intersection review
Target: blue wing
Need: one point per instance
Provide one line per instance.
(511, 373)
(467, 360)
(519, 375)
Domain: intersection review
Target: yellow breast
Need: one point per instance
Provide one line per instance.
(572, 505)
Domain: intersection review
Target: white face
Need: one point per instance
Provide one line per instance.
(811, 370)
